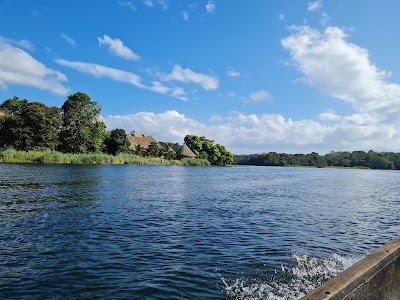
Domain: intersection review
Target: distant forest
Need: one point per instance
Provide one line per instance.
(355, 159)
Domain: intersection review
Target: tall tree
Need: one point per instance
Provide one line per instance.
(10, 127)
(82, 130)
(41, 126)
(226, 157)
(117, 142)
(28, 126)
(10, 123)
(168, 151)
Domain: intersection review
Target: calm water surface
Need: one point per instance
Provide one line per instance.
(165, 232)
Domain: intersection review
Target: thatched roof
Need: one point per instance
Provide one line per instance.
(186, 152)
(143, 140)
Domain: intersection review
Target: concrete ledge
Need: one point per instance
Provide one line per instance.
(377, 276)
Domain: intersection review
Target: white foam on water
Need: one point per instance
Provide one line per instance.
(292, 282)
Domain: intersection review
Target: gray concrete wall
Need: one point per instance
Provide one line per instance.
(375, 277)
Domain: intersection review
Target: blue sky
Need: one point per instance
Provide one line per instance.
(256, 76)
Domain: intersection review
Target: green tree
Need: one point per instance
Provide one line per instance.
(82, 130)
(226, 157)
(13, 106)
(194, 143)
(139, 150)
(380, 162)
(10, 123)
(117, 142)
(41, 126)
(272, 159)
(29, 126)
(204, 148)
(153, 149)
(10, 127)
(212, 152)
(168, 151)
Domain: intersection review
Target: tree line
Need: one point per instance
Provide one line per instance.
(77, 128)
(355, 159)
(204, 148)
(74, 128)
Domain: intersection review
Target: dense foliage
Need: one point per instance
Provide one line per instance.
(29, 126)
(82, 131)
(216, 154)
(116, 142)
(358, 159)
(13, 106)
(34, 132)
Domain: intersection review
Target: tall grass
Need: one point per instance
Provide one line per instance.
(54, 157)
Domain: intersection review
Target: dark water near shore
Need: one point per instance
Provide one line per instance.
(155, 232)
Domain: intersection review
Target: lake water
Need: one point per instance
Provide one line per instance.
(166, 232)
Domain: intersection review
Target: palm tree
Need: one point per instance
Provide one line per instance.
(153, 149)
(139, 150)
(168, 151)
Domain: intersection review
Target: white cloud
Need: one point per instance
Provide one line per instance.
(250, 133)
(231, 94)
(179, 93)
(325, 19)
(258, 96)
(18, 67)
(117, 47)
(69, 40)
(210, 7)
(365, 132)
(216, 118)
(207, 82)
(168, 126)
(128, 4)
(330, 64)
(343, 70)
(163, 4)
(158, 87)
(26, 44)
(233, 73)
(237, 132)
(148, 3)
(313, 6)
(100, 71)
(281, 17)
(329, 116)
(20, 43)
(185, 15)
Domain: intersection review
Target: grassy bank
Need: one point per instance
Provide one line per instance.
(54, 157)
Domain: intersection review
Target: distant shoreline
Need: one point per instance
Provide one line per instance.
(353, 160)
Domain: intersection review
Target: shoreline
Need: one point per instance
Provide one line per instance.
(55, 157)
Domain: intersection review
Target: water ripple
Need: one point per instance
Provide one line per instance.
(155, 232)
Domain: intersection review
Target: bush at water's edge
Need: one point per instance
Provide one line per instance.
(54, 157)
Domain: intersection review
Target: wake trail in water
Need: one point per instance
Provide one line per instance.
(292, 283)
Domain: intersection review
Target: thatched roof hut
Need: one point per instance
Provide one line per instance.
(143, 140)
(186, 152)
